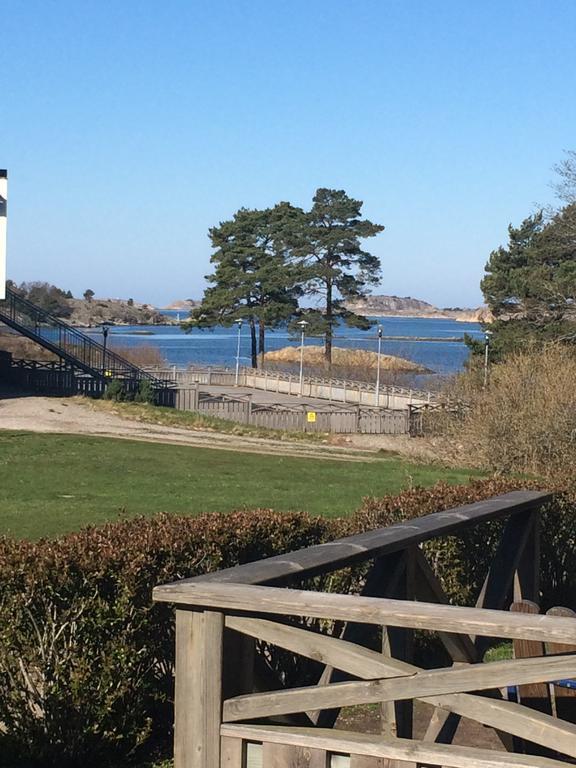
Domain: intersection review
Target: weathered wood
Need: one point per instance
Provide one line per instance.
(397, 717)
(285, 756)
(429, 589)
(348, 742)
(497, 590)
(361, 761)
(527, 576)
(427, 683)
(198, 694)
(536, 695)
(340, 654)
(564, 698)
(371, 544)
(503, 715)
(370, 610)
(231, 752)
(385, 579)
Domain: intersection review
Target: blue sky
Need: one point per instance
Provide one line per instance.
(129, 128)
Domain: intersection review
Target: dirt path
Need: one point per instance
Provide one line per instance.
(66, 416)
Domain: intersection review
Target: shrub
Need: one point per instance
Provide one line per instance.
(86, 659)
(525, 420)
(115, 390)
(146, 393)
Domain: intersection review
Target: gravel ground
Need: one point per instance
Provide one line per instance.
(67, 416)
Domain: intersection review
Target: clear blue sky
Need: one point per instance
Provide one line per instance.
(129, 128)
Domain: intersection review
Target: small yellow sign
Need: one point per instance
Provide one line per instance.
(311, 416)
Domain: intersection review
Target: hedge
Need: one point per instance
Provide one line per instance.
(86, 659)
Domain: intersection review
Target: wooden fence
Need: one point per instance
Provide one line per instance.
(338, 390)
(303, 417)
(225, 715)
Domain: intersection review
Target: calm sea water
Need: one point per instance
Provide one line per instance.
(218, 346)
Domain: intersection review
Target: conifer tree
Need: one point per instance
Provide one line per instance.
(255, 277)
(336, 267)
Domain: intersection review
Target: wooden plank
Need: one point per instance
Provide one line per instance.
(361, 761)
(397, 717)
(340, 654)
(372, 544)
(536, 695)
(231, 752)
(436, 682)
(527, 576)
(564, 698)
(503, 715)
(370, 610)
(348, 742)
(198, 689)
(429, 589)
(286, 756)
(443, 723)
(384, 579)
(497, 590)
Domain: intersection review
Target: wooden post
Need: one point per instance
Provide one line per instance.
(198, 696)
(397, 717)
(249, 409)
(527, 575)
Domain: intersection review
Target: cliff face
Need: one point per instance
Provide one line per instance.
(396, 306)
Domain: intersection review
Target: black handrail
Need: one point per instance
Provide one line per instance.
(70, 344)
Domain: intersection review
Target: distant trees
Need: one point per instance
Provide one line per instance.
(530, 284)
(267, 260)
(48, 297)
(88, 295)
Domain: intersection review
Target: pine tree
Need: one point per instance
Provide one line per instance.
(255, 277)
(337, 268)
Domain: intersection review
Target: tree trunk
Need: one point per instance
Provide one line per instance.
(261, 341)
(329, 321)
(253, 343)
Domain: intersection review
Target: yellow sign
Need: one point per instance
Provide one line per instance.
(311, 416)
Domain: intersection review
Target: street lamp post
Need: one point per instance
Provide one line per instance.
(486, 356)
(105, 330)
(377, 398)
(239, 324)
(302, 325)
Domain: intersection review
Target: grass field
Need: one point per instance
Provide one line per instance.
(50, 484)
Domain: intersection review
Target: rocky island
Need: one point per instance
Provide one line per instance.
(396, 306)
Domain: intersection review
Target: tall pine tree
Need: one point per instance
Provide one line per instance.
(255, 277)
(336, 266)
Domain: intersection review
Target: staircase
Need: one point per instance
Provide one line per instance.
(79, 351)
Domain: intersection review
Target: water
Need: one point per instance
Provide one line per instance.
(218, 346)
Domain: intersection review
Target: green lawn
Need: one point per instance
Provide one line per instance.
(50, 484)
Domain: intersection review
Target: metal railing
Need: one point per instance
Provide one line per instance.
(70, 344)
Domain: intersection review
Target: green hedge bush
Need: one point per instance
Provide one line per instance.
(86, 658)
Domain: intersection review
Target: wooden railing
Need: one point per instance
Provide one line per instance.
(300, 416)
(339, 390)
(226, 715)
